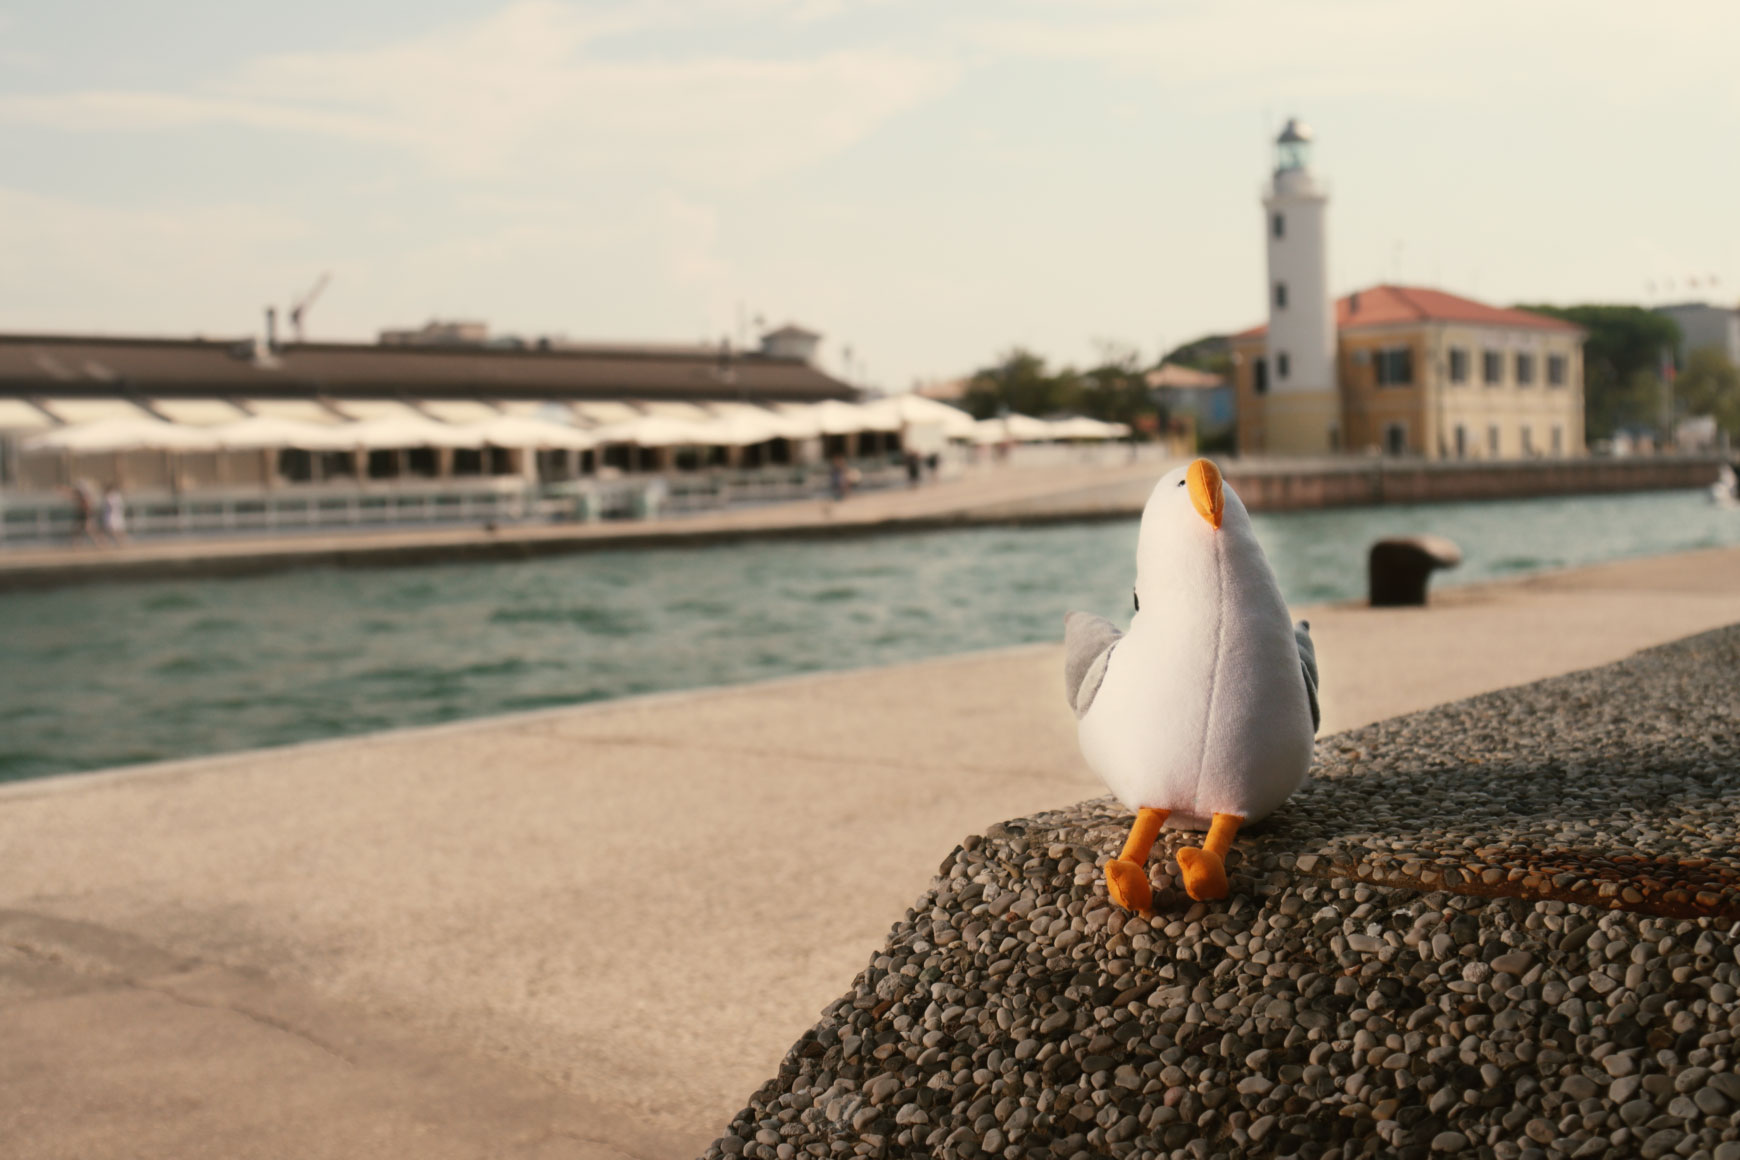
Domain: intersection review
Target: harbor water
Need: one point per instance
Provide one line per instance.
(110, 675)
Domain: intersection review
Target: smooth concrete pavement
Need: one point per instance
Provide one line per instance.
(590, 931)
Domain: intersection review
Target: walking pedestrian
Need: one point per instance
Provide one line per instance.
(84, 500)
(114, 513)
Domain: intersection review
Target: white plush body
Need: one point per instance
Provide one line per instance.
(1203, 707)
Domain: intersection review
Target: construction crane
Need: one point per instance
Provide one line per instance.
(301, 305)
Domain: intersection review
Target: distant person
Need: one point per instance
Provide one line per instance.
(914, 469)
(84, 501)
(114, 513)
(839, 477)
(933, 464)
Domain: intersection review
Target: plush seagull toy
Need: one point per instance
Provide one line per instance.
(1203, 714)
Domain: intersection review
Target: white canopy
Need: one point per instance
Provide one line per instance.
(268, 431)
(833, 417)
(1013, 429)
(916, 410)
(653, 431)
(741, 428)
(407, 430)
(1081, 427)
(526, 431)
(124, 434)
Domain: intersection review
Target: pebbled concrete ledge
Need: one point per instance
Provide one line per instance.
(1505, 927)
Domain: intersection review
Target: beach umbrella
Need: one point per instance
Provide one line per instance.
(124, 434)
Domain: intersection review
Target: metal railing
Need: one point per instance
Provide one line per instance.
(38, 519)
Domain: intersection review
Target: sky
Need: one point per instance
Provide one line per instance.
(929, 184)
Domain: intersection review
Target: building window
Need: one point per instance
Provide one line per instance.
(1260, 376)
(1335, 436)
(1278, 226)
(1458, 366)
(1283, 365)
(1525, 369)
(1492, 441)
(1491, 368)
(1461, 441)
(1555, 370)
(1558, 439)
(1528, 440)
(1280, 296)
(1395, 438)
(1395, 366)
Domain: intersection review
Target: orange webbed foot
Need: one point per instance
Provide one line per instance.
(1204, 870)
(1127, 883)
(1127, 874)
(1204, 874)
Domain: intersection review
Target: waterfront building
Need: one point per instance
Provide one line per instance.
(1202, 397)
(446, 373)
(1703, 325)
(1398, 370)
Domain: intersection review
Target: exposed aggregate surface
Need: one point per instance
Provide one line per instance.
(1500, 928)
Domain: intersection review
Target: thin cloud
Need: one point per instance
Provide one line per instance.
(1351, 48)
(522, 90)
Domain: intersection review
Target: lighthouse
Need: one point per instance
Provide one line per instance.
(1298, 379)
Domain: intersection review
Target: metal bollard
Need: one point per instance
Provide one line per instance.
(1400, 568)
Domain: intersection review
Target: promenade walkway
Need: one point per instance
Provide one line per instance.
(587, 932)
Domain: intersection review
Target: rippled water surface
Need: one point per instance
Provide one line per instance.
(113, 674)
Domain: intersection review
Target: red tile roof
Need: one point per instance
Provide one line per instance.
(1386, 305)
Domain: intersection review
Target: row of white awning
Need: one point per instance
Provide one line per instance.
(1027, 429)
(202, 425)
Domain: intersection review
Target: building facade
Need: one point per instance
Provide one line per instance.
(1433, 375)
(1702, 325)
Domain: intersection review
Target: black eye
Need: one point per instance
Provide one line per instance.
(1181, 483)
(1137, 599)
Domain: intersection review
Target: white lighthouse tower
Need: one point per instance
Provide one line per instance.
(1303, 403)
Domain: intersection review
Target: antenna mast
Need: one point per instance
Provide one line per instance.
(300, 307)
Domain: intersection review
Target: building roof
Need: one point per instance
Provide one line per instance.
(1386, 305)
(75, 365)
(1180, 377)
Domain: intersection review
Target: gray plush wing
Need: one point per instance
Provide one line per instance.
(1308, 662)
(1087, 643)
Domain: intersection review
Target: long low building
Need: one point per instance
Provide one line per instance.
(52, 382)
(85, 367)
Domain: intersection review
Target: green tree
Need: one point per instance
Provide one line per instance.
(1115, 391)
(1710, 385)
(1621, 363)
(1211, 353)
(1019, 382)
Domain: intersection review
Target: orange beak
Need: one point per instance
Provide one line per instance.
(1206, 491)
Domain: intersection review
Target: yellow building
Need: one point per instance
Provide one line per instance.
(1424, 373)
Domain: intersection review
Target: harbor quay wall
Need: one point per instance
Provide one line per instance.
(1276, 485)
